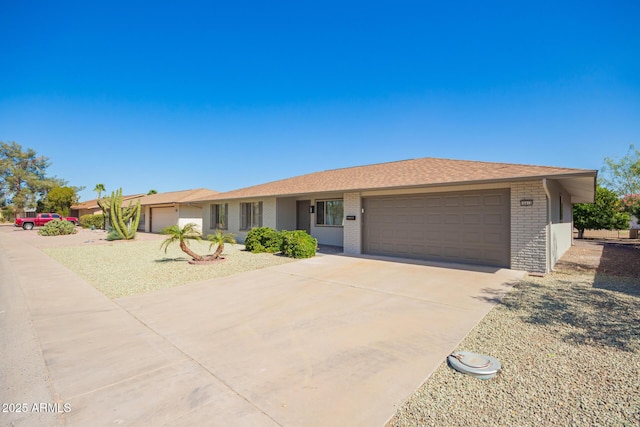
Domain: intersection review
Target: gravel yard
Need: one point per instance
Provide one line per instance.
(123, 268)
(569, 344)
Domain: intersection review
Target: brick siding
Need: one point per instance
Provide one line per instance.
(529, 227)
(352, 237)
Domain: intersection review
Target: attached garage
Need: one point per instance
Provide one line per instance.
(162, 218)
(467, 227)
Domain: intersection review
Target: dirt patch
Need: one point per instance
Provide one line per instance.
(610, 257)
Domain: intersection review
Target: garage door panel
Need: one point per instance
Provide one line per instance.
(452, 219)
(402, 219)
(417, 219)
(432, 236)
(418, 235)
(434, 219)
(433, 202)
(471, 227)
(449, 252)
(452, 201)
(471, 201)
(494, 200)
(472, 219)
(418, 202)
(494, 219)
(493, 238)
(473, 237)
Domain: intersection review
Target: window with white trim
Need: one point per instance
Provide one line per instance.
(250, 215)
(219, 216)
(330, 212)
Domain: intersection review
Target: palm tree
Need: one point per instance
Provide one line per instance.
(220, 239)
(182, 236)
(99, 189)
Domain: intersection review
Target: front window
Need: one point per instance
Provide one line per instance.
(250, 215)
(329, 212)
(219, 217)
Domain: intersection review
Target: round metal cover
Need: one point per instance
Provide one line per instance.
(476, 365)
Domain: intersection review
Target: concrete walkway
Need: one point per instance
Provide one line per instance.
(332, 340)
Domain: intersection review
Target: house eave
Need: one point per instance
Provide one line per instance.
(569, 177)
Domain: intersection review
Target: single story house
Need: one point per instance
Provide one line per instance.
(495, 214)
(173, 208)
(90, 207)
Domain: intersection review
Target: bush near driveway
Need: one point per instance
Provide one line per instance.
(263, 239)
(298, 244)
(294, 244)
(57, 227)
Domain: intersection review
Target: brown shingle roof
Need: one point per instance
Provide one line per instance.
(184, 196)
(426, 171)
(93, 203)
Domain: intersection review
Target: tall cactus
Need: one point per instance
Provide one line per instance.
(124, 220)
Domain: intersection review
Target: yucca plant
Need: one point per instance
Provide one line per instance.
(219, 238)
(182, 236)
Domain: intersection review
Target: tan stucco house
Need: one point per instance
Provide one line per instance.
(173, 208)
(90, 207)
(495, 214)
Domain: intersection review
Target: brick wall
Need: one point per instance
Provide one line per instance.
(352, 229)
(529, 227)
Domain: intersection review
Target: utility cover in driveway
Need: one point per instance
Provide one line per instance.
(469, 227)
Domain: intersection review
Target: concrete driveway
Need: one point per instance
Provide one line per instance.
(332, 340)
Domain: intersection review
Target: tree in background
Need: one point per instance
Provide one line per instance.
(151, 192)
(622, 176)
(607, 213)
(631, 203)
(60, 200)
(99, 188)
(23, 178)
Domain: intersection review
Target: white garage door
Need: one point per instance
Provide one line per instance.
(468, 227)
(163, 217)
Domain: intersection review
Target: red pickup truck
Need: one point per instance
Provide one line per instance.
(42, 219)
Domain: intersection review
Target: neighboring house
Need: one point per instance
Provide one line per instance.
(495, 214)
(173, 208)
(90, 207)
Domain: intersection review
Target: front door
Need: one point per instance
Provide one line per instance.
(303, 217)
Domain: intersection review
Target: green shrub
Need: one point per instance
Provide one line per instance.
(298, 244)
(90, 220)
(113, 235)
(57, 227)
(263, 239)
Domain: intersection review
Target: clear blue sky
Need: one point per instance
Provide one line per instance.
(223, 95)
